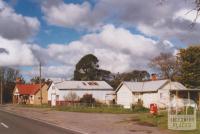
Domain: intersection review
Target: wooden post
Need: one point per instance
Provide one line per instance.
(188, 101)
(176, 101)
(189, 96)
(199, 99)
(1, 85)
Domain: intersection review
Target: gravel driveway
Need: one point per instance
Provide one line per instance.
(88, 123)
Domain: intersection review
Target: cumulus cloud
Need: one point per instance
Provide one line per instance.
(187, 14)
(166, 21)
(51, 72)
(15, 53)
(16, 26)
(117, 49)
(67, 15)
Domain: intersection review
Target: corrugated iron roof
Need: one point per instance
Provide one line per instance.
(83, 85)
(147, 86)
(177, 86)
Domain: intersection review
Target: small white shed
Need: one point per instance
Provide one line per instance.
(100, 90)
(157, 91)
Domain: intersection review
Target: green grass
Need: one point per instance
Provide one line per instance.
(97, 109)
(160, 121)
(114, 109)
(34, 106)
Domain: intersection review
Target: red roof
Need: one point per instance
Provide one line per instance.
(28, 89)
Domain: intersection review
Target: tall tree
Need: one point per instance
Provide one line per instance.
(36, 80)
(189, 71)
(166, 64)
(88, 69)
(135, 75)
(8, 77)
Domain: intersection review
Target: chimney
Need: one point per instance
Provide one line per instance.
(153, 77)
(18, 80)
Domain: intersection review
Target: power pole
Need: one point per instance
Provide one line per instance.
(1, 85)
(40, 71)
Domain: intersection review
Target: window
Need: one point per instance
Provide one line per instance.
(53, 87)
(95, 83)
(90, 83)
(84, 83)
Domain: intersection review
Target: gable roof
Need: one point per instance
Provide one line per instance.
(147, 86)
(28, 89)
(177, 86)
(97, 85)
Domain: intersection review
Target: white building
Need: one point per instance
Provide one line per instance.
(100, 90)
(158, 91)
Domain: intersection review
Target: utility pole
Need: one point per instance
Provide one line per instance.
(1, 85)
(40, 77)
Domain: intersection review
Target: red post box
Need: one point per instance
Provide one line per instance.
(153, 108)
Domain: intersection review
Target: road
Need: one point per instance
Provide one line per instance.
(13, 124)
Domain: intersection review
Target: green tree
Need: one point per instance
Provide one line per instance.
(36, 80)
(88, 69)
(135, 75)
(189, 69)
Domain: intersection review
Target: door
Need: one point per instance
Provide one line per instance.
(53, 99)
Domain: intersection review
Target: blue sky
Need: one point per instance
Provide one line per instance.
(47, 34)
(58, 33)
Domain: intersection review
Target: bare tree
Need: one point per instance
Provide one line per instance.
(71, 97)
(166, 64)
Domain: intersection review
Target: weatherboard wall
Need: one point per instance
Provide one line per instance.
(102, 95)
(125, 97)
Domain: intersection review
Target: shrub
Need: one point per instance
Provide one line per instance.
(138, 107)
(87, 99)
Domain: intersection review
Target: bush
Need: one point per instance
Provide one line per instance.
(87, 99)
(138, 107)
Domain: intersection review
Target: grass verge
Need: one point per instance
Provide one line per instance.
(113, 109)
(161, 121)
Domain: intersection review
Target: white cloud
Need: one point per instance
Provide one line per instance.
(187, 14)
(165, 21)
(117, 49)
(16, 26)
(15, 53)
(67, 15)
(51, 72)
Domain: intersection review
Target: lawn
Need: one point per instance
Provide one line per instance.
(113, 109)
(34, 106)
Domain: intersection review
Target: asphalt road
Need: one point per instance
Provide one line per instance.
(13, 124)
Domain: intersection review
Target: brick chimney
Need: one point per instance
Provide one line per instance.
(153, 77)
(18, 80)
